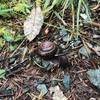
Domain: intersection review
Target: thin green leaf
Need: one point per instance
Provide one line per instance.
(87, 10)
(78, 14)
(2, 73)
(46, 4)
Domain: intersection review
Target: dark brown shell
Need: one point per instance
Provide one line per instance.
(47, 49)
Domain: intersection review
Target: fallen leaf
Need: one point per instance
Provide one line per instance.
(56, 93)
(33, 23)
(94, 77)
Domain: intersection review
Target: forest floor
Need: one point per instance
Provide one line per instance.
(22, 76)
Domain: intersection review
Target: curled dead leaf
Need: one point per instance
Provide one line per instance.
(33, 23)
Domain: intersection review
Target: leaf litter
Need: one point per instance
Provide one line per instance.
(22, 78)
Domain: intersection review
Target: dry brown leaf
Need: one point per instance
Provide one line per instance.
(57, 93)
(33, 23)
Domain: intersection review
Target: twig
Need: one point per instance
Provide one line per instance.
(96, 7)
(95, 24)
(17, 48)
(4, 59)
(56, 27)
(6, 95)
(16, 68)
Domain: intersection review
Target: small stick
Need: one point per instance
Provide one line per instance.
(95, 24)
(96, 7)
(9, 57)
(16, 68)
(6, 95)
(17, 48)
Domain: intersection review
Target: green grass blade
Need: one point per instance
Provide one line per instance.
(78, 15)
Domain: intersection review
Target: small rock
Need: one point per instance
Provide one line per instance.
(66, 81)
(42, 88)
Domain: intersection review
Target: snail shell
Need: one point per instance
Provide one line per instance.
(47, 49)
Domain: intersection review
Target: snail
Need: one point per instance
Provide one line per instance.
(48, 51)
